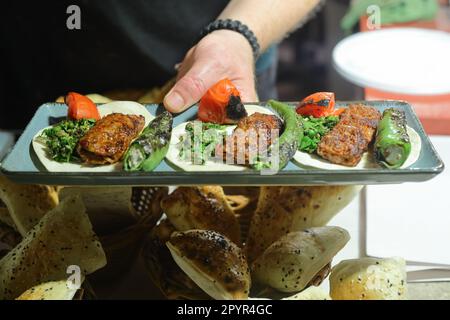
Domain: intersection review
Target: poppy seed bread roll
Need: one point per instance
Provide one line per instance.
(293, 262)
(369, 279)
(213, 262)
(204, 208)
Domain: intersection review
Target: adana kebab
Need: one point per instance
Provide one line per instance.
(350, 138)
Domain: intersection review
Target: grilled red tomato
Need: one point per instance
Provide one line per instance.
(221, 104)
(81, 107)
(320, 104)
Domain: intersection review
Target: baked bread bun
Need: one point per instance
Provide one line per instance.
(293, 262)
(282, 210)
(213, 262)
(204, 208)
(369, 279)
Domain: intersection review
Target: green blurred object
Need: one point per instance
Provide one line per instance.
(391, 11)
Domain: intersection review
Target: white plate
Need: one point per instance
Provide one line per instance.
(125, 107)
(307, 160)
(405, 60)
(210, 165)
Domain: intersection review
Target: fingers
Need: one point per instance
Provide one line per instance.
(193, 85)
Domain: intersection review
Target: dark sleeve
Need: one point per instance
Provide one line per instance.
(121, 44)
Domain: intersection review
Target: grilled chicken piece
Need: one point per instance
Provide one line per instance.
(108, 140)
(203, 208)
(213, 262)
(350, 138)
(252, 135)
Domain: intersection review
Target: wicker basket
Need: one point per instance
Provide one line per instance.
(243, 200)
(162, 269)
(9, 238)
(121, 248)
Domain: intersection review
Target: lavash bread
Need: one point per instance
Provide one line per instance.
(109, 209)
(27, 204)
(62, 238)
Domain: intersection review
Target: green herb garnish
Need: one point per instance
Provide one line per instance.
(313, 131)
(62, 139)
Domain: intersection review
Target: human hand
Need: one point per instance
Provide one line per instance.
(221, 54)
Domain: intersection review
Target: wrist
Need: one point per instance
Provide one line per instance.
(233, 40)
(236, 27)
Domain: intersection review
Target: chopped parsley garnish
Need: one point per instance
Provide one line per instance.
(62, 139)
(313, 131)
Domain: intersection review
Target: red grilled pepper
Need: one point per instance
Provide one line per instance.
(221, 104)
(81, 107)
(320, 104)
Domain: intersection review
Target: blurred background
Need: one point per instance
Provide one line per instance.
(305, 58)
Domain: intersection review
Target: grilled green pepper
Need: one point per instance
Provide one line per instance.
(150, 148)
(392, 144)
(288, 140)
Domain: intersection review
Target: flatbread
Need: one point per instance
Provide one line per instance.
(304, 159)
(210, 165)
(109, 208)
(53, 290)
(27, 204)
(95, 97)
(62, 238)
(124, 107)
(5, 218)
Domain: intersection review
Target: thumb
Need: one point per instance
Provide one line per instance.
(192, 86)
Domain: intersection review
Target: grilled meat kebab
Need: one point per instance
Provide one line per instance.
(252, 135)
(350, 138)
(108, 140)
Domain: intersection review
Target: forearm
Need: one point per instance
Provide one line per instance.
(227, 54)
(270, 20)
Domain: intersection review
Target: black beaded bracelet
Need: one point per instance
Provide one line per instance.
(237, 26)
